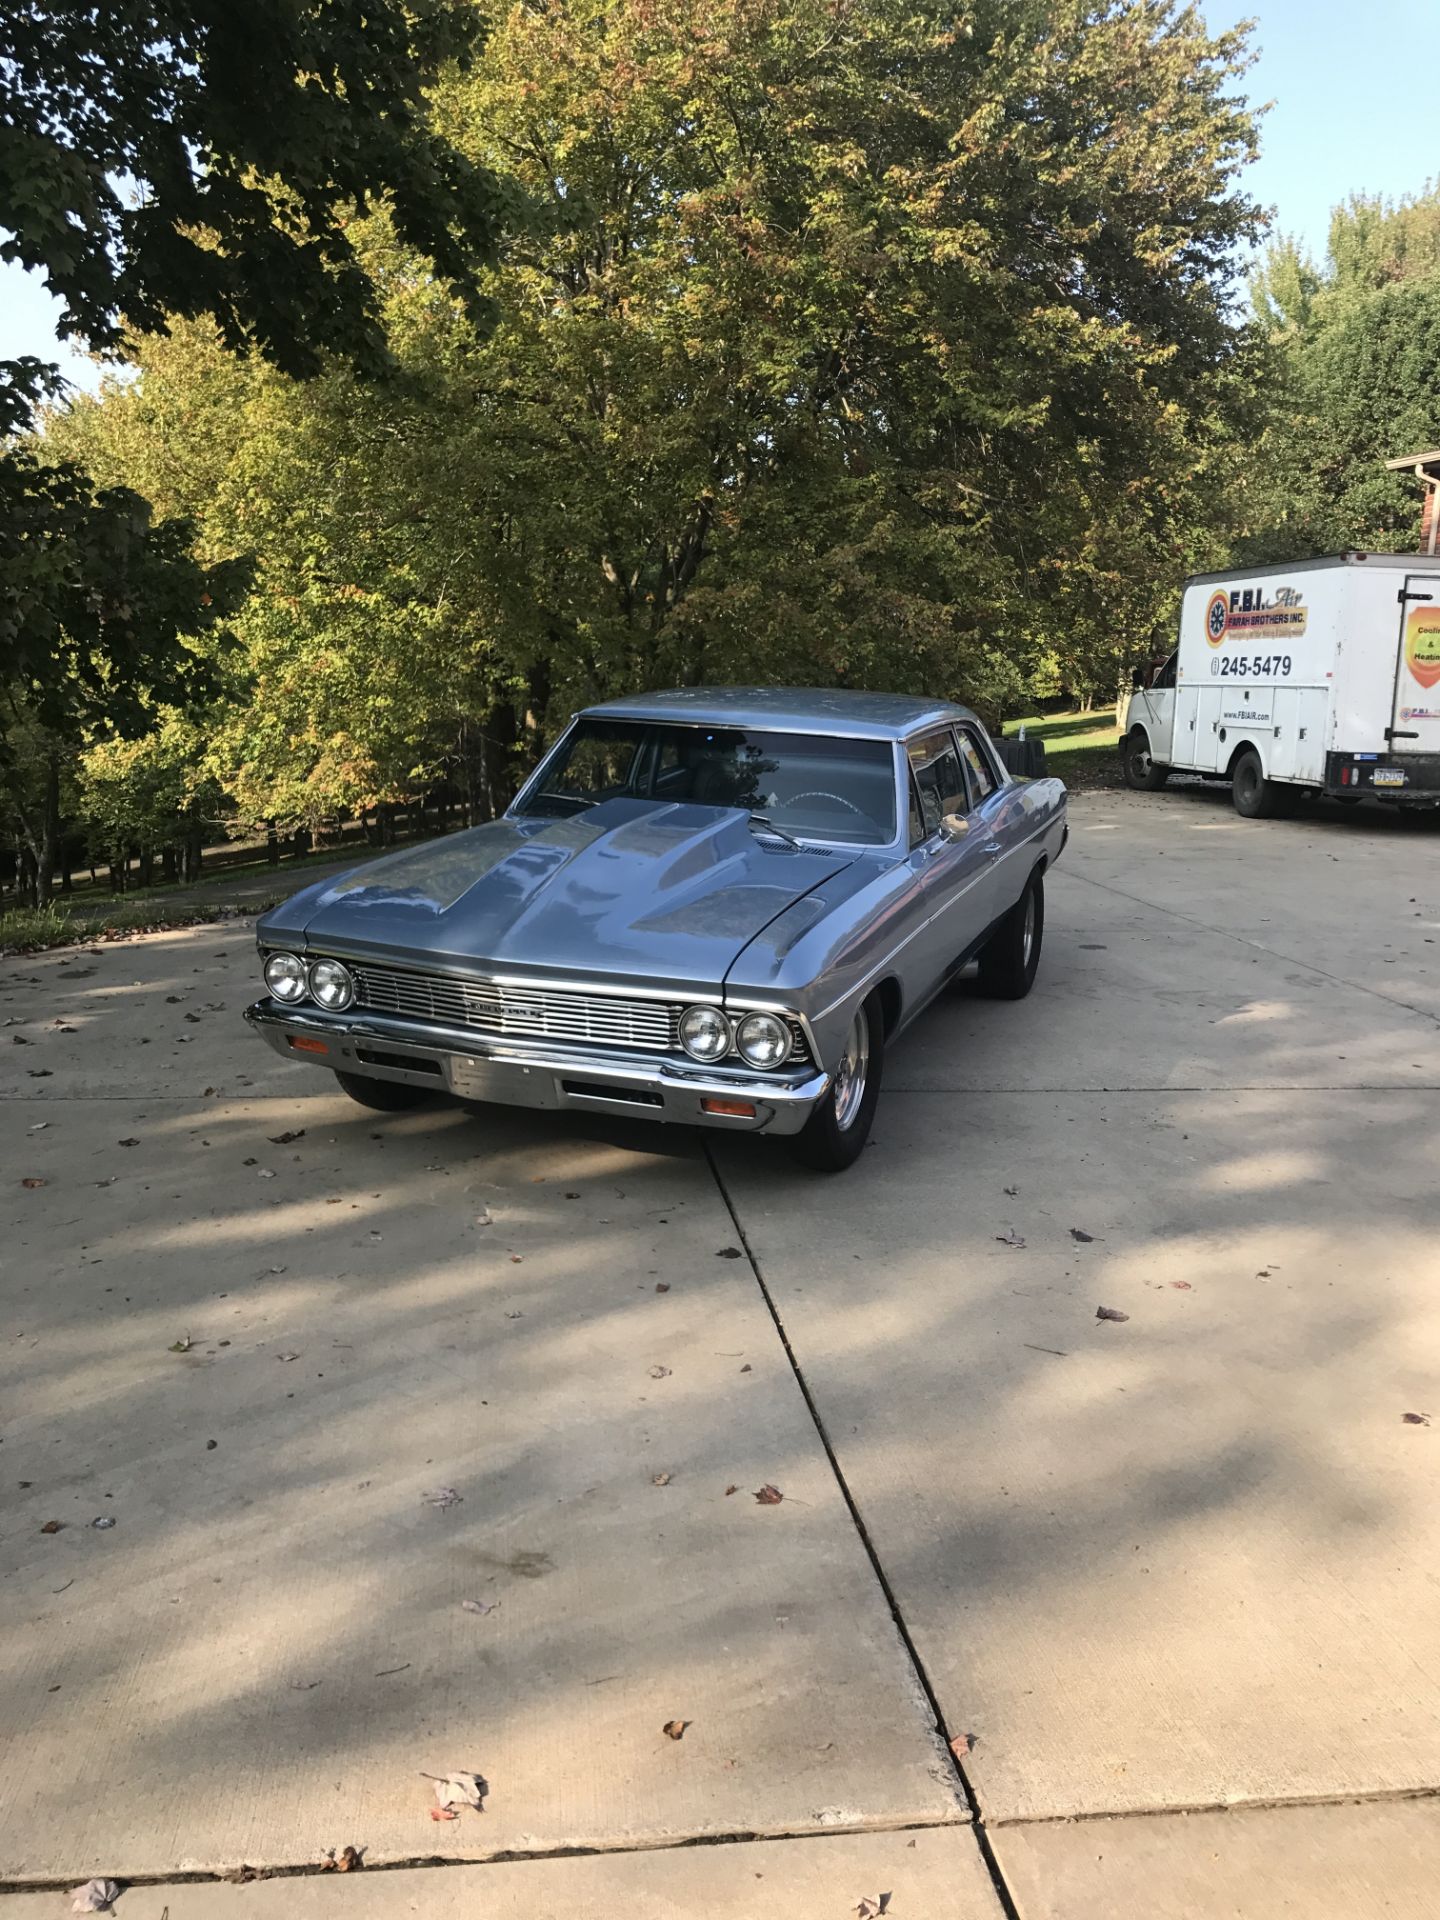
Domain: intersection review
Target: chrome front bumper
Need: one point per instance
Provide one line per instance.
(517, 1074)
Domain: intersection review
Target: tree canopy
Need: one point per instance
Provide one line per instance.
(160, 159)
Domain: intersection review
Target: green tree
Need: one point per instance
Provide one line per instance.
(162, 159)
(97, 606)
(1357, 382)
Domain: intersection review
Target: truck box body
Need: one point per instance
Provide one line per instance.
(1329, 670)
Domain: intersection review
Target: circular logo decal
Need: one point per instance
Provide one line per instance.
(1217, 619)
(1422, 645)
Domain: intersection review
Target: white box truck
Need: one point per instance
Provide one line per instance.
(1320, 676)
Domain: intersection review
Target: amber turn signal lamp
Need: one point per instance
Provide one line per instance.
(302, 1043)
(736, 1109)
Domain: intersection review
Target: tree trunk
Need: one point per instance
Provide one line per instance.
(48, 843)
(272, 844)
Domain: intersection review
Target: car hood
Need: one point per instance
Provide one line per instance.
(628, 890)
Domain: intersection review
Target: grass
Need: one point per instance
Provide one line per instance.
(1080, 748)
(30, 929)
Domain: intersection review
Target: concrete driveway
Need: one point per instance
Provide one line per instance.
(432, 1442)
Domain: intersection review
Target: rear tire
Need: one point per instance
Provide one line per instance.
(1140, 770)
(835, 1134)
(1010, 958)
(1255, 797)
(384, 1096)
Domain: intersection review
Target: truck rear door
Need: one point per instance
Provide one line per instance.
(1415, 720)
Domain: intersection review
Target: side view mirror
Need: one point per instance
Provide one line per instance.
(1137, 680)
(954, 826)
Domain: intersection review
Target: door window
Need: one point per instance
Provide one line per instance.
(982, 775)
(939, 783)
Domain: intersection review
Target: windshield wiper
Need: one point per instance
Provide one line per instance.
(763, 820)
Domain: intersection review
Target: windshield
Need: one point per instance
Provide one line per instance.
(809, 786)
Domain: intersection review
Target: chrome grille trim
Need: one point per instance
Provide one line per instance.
(508, 1012)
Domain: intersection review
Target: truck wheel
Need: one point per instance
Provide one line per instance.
(385, 1096)
(1010, 957)
(1255, 797)
(1141, 772)
(836, 1132)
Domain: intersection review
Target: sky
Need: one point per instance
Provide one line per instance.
(1343, 120)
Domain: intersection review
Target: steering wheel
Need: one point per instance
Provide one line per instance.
(819, 793)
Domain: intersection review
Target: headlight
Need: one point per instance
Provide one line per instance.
(763, 1039)
(331, 985)
(285, 976)
(705, 1033)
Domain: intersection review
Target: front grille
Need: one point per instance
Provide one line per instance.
(518, 1012)
(529, 1013)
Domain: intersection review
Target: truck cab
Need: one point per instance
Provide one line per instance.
(1146, 744)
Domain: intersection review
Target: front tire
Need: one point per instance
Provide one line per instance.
(835, 1134)
(1142, 774)
(384, 1096)
(1255, 797)
(1010, 958)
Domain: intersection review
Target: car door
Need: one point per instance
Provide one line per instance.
(956, 868)
(990, 808)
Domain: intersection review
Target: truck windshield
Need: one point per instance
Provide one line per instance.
(811, 787)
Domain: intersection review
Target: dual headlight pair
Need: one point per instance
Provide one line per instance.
(325, 982)
(762, 1039)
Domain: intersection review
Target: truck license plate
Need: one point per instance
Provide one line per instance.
(1389, 776)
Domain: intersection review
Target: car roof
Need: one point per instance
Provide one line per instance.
(841, 712)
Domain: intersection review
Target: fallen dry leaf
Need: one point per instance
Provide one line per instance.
(769, 1496)
(962, 1744)
(1012, 1191)
(659, 1479)
(345, 1861)
(32, 1181)
(242, 1875)
(1182, 1286)
(459, 1789)
(659, 1373)
(287, 1356)
(284, 1139)
(133, 1141)
(479, 1606)
(662, 1286)
(96, 1896)
(443, 1813)
(729, 1253)
(873, 1905)
(443, 1497)
(730, 1490)
(1079, 1233)
(1110, 1313)
(182, 1345)
(675, 1729)
(52, 1526)
(1416, 1419)
(1010, 1238)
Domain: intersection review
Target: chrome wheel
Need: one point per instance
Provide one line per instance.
(1027, 932)
(851, 1074)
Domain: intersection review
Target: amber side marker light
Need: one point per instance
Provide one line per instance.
(302, 1043)
(736, 1109)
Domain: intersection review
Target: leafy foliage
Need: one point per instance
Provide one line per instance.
(1356, 351)
(161, 159)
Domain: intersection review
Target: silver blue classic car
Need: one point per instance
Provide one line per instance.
(712, 906)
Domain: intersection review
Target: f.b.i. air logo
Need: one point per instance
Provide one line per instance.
(1422, 645)
(1244, 613)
